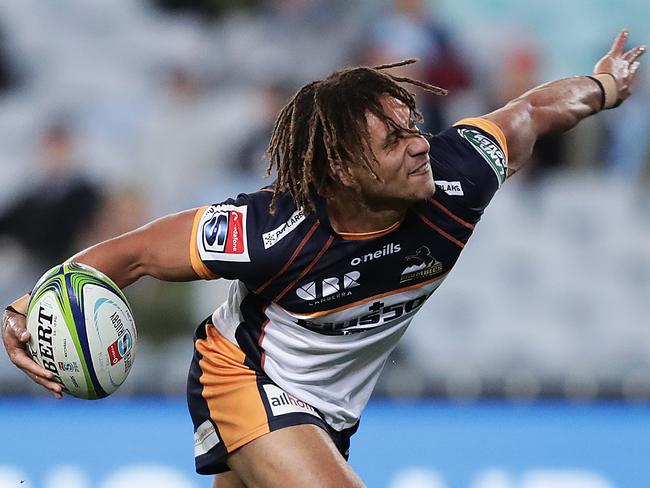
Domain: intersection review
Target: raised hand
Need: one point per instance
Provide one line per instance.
(621, 65)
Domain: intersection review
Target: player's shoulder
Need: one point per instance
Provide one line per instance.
(255, 208)
(272, 226)
(245, 228)
(469, 161)
(474, 147)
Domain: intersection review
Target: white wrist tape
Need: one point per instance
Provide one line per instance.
(609, 87)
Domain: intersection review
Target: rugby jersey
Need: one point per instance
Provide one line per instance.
(319, 312)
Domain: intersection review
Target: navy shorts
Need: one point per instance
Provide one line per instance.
(232, 404)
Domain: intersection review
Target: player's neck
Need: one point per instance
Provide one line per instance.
(350, 214)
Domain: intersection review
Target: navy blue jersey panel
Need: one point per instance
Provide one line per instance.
(469, 178)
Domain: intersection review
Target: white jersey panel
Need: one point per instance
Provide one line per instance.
(337, 373)
(228, 316)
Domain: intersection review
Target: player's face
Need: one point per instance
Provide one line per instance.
(404, 168)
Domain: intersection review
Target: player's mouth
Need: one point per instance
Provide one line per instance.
(422, 169)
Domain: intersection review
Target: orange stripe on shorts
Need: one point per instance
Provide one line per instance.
(230, 390)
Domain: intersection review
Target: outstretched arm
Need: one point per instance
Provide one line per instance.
(559, 105)
(160, 249)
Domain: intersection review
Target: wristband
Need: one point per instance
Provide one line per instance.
(12, 309)
(610, 91)
(602, 92)
(21, 304)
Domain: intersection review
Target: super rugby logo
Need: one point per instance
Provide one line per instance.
(216, 231)
(222, 233)
(120, 348)
(328, 289)
(69, 367)
(488, 150)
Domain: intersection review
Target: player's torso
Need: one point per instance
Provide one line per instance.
(338, 286)
(319, 312)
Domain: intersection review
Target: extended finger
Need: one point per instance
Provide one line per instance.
(635, 53)
(21, 359)
(619, 43)
(51, 386)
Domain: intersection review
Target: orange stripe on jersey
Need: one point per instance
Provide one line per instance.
(489, 127)
(268, 190)
(197, 264)
(358, 236)
(453, 216)
(373, 298)
(440, 231)
(292, 258)
(259, 342)
(307, 269)
(230, 390)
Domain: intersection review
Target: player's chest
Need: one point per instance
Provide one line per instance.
(348, 271)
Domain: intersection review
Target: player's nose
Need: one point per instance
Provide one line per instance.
(418, 145)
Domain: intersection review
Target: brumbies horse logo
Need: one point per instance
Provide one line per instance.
(421, 265)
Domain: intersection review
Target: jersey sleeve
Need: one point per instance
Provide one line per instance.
(220, 243)
(469, 163)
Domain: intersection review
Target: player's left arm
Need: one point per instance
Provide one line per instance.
(559, 105)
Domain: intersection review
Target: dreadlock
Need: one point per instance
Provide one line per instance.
(325, 123)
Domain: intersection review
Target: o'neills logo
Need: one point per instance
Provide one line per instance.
(387, 250)
(44, 340)
(282, 402)
(424, 266)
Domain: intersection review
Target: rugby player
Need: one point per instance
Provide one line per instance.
(365, 220)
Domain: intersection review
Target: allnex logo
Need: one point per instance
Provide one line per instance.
(282, 402)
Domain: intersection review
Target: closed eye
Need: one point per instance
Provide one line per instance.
(392, 139)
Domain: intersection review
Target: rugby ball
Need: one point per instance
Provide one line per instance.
(82, 330)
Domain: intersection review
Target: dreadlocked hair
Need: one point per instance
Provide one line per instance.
(325, 124)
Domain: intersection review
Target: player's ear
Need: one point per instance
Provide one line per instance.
(341, 173)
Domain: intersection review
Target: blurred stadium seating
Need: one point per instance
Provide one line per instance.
(549, 299)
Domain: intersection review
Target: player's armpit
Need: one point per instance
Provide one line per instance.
(160, 249)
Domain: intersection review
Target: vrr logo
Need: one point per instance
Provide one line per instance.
(329, 288)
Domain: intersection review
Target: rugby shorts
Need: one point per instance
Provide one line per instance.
(232, 403)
